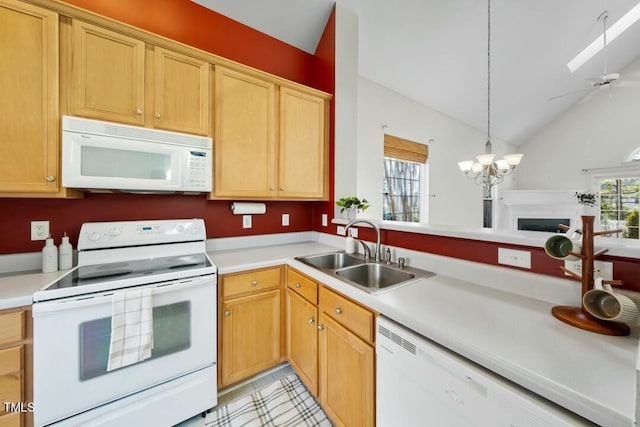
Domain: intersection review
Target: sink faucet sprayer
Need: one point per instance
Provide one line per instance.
(377, 252)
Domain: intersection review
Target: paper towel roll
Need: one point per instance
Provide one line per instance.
(246, 208)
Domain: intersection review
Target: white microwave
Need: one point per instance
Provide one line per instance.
(100, 156)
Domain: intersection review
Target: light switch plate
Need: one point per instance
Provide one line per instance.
(246, 221)
(285, 220)
(514, 258)
(602, 269)
(325, 220)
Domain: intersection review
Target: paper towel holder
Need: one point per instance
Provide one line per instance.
(248, 208)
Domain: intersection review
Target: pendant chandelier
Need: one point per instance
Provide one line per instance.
(485, 170)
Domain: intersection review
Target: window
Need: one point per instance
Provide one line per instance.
(403, 182)
(619, 203)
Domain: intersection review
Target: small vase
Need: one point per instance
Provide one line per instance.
(589, 210)
(351, 214)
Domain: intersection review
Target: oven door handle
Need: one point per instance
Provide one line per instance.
(106, 296)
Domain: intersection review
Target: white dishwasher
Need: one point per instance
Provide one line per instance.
(421, 384)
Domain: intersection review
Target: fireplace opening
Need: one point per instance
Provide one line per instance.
(542, 224)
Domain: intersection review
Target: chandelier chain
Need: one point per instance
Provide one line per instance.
(489, 71)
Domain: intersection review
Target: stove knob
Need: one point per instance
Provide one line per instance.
(94, 236)
(114, 232)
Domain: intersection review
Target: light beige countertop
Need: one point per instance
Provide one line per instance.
(509, 333)
(513, 335)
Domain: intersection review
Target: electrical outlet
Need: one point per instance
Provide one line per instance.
(325, 220)
(285, 220)
(514, 258)
(341, 230)
(353, 232)
(39, 230)
(246, 221)
(602, 269)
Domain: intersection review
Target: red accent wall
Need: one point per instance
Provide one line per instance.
(68, 215)
(625, 269)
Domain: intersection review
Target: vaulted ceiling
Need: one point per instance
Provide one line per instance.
(435, 51)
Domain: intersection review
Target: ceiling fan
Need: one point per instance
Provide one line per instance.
(606, 78)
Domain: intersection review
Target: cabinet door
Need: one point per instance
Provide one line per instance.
(29, 128)
(107, 78)
(347, 368)
(250, 335)
(302, 339)
(181, 95)
(244, 146)
(11, 376)
(303, 165)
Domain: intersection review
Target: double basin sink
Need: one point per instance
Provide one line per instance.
(373, 277)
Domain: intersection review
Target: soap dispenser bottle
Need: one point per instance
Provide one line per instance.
(49, 256)
(65, 252)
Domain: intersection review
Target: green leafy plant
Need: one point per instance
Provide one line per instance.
(587, 199)
(346, 203)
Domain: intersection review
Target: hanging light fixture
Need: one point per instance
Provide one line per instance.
(485, 170)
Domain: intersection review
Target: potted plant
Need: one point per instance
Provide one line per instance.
(352, 205)
(588, 203)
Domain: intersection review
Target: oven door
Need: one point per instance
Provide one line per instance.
(72, 338)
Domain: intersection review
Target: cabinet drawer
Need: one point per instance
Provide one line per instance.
(250, 282)
(303, 286)
(11, 375)
(11, 327)
(349, 314)
(11, 420)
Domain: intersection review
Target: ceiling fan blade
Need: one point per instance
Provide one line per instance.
(564, 95)
(628, 83)
(590, 96)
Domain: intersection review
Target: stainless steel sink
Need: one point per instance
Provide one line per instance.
(332, 261)
(375, 276)
(370, 276)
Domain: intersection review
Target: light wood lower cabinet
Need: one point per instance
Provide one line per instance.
(250, 324)
(330, 345)
(15, 367)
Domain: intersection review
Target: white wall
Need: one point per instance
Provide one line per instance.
(346, 103)
(599, 133)
(453, 198)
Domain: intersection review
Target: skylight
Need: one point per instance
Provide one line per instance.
(612, 33)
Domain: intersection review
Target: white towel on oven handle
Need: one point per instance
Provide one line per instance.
(131, 328)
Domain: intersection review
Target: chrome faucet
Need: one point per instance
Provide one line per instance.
(377, 251)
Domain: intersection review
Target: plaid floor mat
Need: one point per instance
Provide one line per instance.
(285, 403)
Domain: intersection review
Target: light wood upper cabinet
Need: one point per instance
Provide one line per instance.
(107, 76)
(244, 143)
(303, 150)
(181, 92)
(29, 129)
(270, 141)
(119, 78)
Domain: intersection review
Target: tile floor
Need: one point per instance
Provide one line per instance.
(243, 389)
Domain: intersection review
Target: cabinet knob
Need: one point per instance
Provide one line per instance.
(298, 285)
(281, 188)
(311, 320)
(51, 178)
(320, 327)
(227, 313)
(157, 115)
(272, 188)
(138, 111)
(338, 310)
(254, 283)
